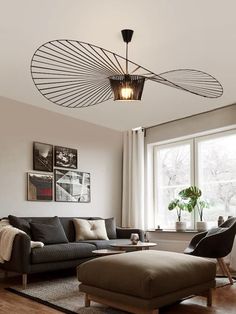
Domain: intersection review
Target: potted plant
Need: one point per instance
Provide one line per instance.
(192, 196)
(180, 205)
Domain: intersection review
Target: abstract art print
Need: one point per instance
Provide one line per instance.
(65, 157)
(42, 157)
(72, 186)
(40, 187)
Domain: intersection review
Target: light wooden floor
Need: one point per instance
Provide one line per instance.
(224, 302)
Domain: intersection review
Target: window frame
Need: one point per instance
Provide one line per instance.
(189, 142)
(193, 140)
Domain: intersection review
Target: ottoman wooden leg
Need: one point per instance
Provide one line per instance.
(87, 300)
(24, 281)
(209, 297)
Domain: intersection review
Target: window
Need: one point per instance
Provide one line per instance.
(173, 174)
(208, 162)
(217, 175)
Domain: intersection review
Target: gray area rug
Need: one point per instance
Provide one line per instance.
(63, 294)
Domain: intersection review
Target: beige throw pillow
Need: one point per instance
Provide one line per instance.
(90, 229)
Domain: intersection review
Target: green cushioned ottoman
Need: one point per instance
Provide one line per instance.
(143, 281)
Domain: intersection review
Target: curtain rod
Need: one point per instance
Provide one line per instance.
(194, 115)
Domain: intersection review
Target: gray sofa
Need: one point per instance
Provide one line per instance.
(25, 260)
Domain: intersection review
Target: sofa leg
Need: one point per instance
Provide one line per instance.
(24, 281)
(87, 300)
(209, 297)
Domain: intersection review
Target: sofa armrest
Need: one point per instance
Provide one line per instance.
(20, 256)
(125, 233)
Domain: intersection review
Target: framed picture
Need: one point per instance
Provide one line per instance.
(72, 186)
(39, 187)
(65, 157)
(42, 157)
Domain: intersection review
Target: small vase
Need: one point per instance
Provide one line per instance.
(180, 226)
(134, 238)
(201, 226)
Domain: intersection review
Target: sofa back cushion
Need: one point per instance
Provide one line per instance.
(48, 233)
(66, 222)
(90, 229)
(110, 224)
(69, 228)
(20, 223)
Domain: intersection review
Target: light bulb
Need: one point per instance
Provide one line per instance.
(127, 93)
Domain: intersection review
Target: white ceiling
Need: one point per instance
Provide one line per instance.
(169, 34)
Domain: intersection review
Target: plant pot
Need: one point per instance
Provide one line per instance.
(180, 226)
(201, 226)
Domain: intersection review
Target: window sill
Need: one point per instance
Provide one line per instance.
(172, 231)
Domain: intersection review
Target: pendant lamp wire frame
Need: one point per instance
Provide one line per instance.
(75, 74)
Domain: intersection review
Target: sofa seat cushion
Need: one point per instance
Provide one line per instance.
(61, 252)
(105, 244)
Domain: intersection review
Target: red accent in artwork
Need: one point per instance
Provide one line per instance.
(45, 192)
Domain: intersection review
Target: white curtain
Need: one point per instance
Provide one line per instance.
(133, 179)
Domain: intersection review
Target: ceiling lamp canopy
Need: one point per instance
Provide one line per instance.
(76, 74)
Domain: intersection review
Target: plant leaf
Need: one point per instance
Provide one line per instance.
(173, 204)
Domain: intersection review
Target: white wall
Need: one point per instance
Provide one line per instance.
(99, 152)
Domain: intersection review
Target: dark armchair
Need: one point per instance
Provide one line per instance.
(215, 243)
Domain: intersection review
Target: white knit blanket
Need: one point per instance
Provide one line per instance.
(7, 236)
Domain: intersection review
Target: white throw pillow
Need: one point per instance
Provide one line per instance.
(90, 229)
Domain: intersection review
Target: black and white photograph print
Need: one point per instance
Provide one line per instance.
(72, 186)
(39, 187)
(65, 157)
(42, 157)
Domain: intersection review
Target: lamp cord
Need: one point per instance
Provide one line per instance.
(127, 59)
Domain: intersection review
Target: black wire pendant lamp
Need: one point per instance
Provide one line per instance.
(76, 74)
(127, 87)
